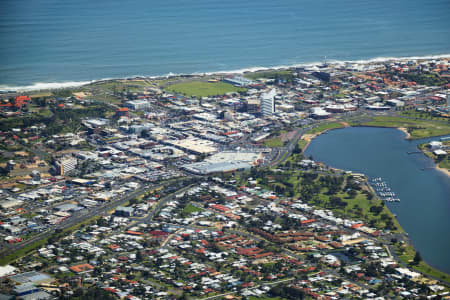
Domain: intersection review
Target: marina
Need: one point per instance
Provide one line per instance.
(383, 191)
(424, 207)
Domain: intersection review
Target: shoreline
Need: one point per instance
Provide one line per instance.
(436, 165)
(308, 140)
(401, 230)
(405, 130)
(309, 137)
(45, 86)
(442, 170)
(402, 129)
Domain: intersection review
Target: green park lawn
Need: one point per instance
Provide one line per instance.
(202, 89)
(412, 113)
(406, 255)
(325, 126)
(356, 207)
(417, 128)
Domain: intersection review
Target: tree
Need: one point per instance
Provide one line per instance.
(139, 256)
(417, 258)
(376, 209)
(145, 133)
(102, 222)
(4, 171)
(297, 149)
(352, 193)
(288, 164)
(335, 201)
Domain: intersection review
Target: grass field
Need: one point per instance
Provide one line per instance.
(325, 126)
(273, 142)
(202, 89)
(189, 209)
(132, 85)
(412, 113)
(41, 112)
(417, 128)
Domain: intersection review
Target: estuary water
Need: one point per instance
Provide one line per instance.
(424, 210)
(64, 42)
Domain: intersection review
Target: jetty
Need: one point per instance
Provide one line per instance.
(414, 152)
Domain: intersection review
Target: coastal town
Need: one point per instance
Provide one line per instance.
(198, 187)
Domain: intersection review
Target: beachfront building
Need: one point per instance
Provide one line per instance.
(268, 103)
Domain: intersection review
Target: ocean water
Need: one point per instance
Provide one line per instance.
(424, 209)
(54, 41)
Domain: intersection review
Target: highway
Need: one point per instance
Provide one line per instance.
(160, 204)
(287, 151)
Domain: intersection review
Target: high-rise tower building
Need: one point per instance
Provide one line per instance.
(268, 103)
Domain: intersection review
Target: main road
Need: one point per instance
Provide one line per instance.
(75, 219)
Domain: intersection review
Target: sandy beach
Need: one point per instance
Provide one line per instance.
(405, 130)
(445, 171)
(308, 138)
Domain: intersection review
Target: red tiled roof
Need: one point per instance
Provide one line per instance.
(220, 207)
(81, 268)
(307, 221)
(357, 225)
(158, 233)
(133, 232)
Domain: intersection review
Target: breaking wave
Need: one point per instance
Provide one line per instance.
(70, 84)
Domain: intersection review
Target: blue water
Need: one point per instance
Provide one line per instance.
(424, 210)
(58, 41)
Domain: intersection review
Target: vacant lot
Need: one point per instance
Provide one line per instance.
(273, 142)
